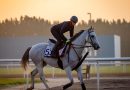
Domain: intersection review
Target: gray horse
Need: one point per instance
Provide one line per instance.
(74, 53)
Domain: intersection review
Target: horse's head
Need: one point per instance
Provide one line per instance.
(86, 36)
(92, 39)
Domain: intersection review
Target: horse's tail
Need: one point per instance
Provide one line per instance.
(25, 58)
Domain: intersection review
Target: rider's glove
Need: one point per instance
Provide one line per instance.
(67, 41)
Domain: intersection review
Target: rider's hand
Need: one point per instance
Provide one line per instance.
(67, 41)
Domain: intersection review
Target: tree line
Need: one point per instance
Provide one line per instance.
(33, 26)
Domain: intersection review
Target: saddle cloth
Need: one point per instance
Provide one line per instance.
(48, 50)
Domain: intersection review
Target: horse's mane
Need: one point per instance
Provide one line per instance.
(76, 35)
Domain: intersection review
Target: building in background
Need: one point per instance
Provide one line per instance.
(13, 48)
(110, 47)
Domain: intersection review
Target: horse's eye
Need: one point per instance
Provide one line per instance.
(92, 36)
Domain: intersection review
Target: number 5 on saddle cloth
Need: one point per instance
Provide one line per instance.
(49, 48)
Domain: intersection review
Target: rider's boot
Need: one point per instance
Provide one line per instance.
(55, 50)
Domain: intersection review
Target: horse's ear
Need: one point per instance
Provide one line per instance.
(90, 29)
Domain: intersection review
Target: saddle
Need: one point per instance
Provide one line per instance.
(49, 48)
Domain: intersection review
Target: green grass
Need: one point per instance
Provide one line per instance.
(49, 70)
(113, 69)
(110, 69)
(6, 82)
(11, 71)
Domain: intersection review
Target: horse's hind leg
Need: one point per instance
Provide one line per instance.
(41, 74)
(33, 73)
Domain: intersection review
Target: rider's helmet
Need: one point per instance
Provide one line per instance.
(74, 19)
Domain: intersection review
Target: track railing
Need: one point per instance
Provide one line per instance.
(96, 61)
(104, 61)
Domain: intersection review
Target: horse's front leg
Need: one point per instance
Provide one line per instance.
(80, 77)
(69, 75)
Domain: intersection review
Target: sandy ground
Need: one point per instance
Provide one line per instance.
(52, 82)
(105, 84)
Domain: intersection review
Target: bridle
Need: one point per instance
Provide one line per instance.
(76, 46)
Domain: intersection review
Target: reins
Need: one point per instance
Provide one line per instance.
(76, 46)
(79, 46)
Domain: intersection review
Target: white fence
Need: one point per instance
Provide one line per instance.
(96, 61)
(99, 61)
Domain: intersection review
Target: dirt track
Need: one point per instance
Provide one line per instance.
(105, 84)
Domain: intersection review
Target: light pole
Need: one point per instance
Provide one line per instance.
(90, 17)
(88, 65)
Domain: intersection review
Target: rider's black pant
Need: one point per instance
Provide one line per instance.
(57, 36)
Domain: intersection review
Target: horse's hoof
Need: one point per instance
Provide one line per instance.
(67, 85)
(83, 86)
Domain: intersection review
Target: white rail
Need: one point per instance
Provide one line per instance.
(108, 60)
(96, 61)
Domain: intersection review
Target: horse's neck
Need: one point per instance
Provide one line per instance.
(81, 39)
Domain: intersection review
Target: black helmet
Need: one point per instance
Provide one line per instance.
(74, 19)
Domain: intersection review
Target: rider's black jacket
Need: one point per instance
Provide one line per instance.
(59, 30)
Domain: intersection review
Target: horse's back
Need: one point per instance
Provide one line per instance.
(37, 49)
(40, 45)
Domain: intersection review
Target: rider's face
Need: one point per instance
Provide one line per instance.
(73, 23)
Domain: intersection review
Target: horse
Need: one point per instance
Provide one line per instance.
(70, 60)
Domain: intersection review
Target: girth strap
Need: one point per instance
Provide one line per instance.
(81, 61)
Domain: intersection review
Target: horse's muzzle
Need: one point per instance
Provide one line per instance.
(96, 47)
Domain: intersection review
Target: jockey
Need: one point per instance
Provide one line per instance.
(59, 30)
